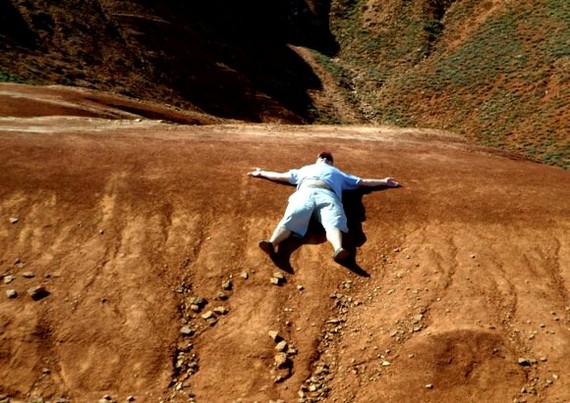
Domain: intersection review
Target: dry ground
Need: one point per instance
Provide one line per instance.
(457, 275)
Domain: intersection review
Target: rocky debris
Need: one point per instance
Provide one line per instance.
(277, 279)
(282, 346)
(11, 293)
(19, 264)
(37, 293)
(197, 304)
(187, 331)
(210, 318)
(221, 310)
(227, 285)
(526, 362)
(535, 385)
(282, 362)
(186, 363)
(274, 334)
(8, 278)
(315, 387)
(195, 320)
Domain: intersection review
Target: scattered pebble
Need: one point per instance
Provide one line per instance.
(274, 334)
(281, 346)
(187, 331)
(9, 278)
(38, 292)
(222, 310)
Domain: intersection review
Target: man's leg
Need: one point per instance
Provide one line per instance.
(334, 236)
(280, 234)
(330, 213)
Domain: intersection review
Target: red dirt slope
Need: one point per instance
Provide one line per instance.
(458, 275)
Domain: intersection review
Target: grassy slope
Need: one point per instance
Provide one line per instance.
(495, 72)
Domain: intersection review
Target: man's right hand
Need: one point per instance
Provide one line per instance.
(256, 173)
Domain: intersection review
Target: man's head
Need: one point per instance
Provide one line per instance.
(327, 157)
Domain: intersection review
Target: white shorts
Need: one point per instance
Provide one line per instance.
(309, 201)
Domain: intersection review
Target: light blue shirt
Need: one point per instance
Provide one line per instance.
(332, 176)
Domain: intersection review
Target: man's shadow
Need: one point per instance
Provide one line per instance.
(351, 241)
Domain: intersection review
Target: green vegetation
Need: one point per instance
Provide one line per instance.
(7, 77)
(501, 77)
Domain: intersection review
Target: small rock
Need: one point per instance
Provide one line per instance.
(275, 281)
(38, 292)
(28, 274)
(9, 278)
(274, 334)
(14, 220)
(208, 315)
(281, 346)
(131, 399)
(198, 301)
(429, 386)
(222, 296)
(227, 285)
(245, 275)
(187, 331)
(525, 362)
(386, 363)
(278, 275)
(222, 310)
(281, 360)
(11, 293)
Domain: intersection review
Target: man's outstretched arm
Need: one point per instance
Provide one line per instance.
(271, 175)
(388, 182)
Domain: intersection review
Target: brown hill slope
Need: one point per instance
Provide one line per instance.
(458, 275)
(493, 71)
(230, 60)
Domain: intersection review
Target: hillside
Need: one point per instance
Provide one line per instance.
(143, 235)
(129, 264)
(492, 71)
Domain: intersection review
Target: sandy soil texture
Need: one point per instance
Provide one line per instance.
(144, 236)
